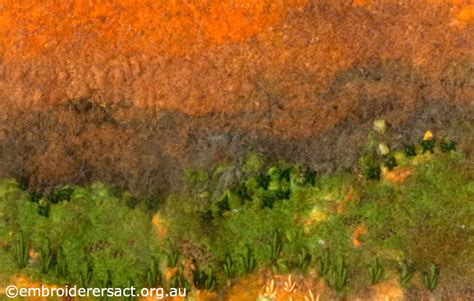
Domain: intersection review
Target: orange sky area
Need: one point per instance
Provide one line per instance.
(116, 50)
(32, 27)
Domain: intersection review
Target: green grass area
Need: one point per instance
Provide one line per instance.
(355, 229)
(93, 228)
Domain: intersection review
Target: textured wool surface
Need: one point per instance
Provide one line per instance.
(114, 89)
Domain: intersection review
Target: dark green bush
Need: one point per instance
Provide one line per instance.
(223, 205)
(207, 216)
(268, 201)
(370, 167)
(428, 145)
(373, 172)
(390, 163)
(310, 177)
(409, 150)
(262, 181)
(43, 207)
(35, 196)
(448, 145)
(242, 192)
(60, 194)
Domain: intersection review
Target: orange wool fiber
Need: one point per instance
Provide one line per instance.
(32, 27)
(254, 54)
(356, 235)
(466, 15)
